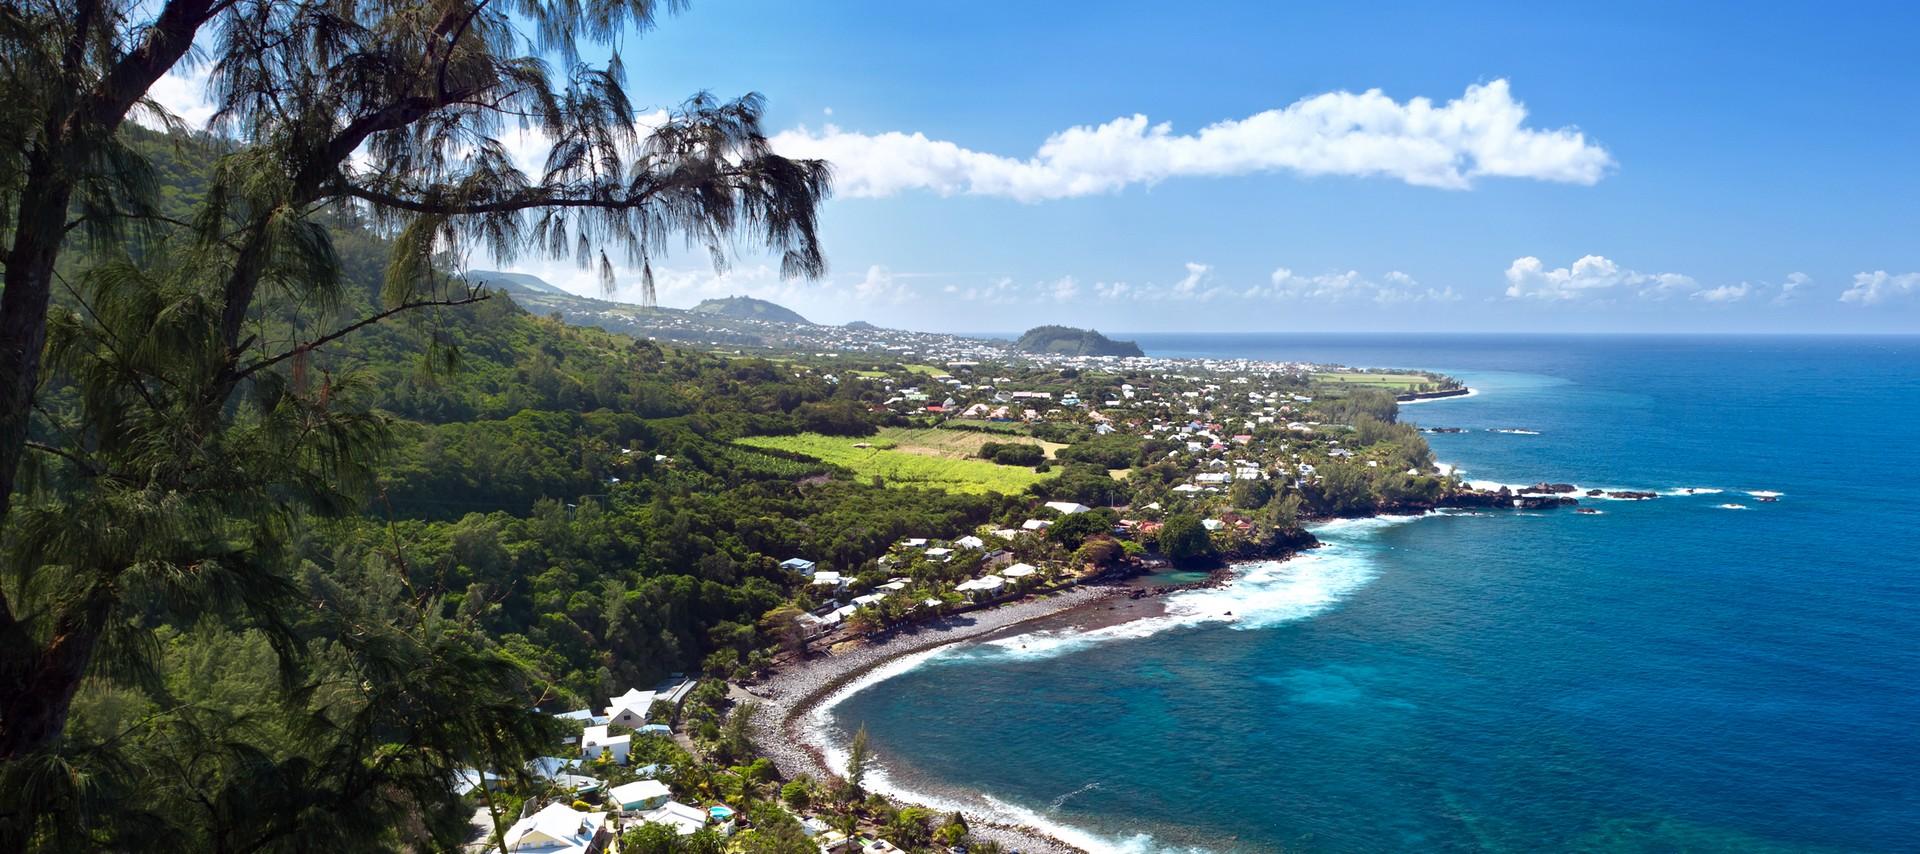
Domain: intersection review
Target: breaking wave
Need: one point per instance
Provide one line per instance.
(1264, 593)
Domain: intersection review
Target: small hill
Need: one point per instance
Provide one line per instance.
(1068, 341)
(862, 326)
(748, 308)
(522, 282)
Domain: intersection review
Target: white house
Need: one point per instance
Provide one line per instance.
(630, 709)
(1068, 508)
(684, 819)
(829, 579)
(596, 741)
(970, 542)
(1018, 571)
(1035, 525)
(559, 829)
(560, 772)
(798, 564)
(978, 589)
(641, 795)
(466, 780)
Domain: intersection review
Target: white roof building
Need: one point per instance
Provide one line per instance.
(987, 585)
(684, 819)
(557, 829)
(1068, 508)
(595, 740)
(641, 795)
(630, 709)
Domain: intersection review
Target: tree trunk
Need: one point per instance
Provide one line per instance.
(37, 683)
(40, 229)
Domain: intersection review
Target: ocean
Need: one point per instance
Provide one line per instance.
(1700, 672)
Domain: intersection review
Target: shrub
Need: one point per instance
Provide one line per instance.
(1185, 541)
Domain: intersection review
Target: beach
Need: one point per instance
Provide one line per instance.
(795, 689)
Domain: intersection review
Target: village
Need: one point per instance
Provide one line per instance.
(1230, 458)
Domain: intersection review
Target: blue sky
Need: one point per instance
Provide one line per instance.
(1718, 167)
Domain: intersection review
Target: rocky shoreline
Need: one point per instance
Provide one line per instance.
(797, 687)
(1409, 397)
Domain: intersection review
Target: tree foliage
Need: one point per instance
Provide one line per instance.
(174, 429)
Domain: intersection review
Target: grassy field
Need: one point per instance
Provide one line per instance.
(904, 457)
(952, 444)
(929, 370)
(1390, 382)
(1001, 427)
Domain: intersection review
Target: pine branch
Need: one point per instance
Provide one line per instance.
(355, 326)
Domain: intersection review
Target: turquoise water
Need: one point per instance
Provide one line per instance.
(1667, 676)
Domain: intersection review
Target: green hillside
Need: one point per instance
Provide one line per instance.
(748, 308)
(1069, 341)
(522, 282)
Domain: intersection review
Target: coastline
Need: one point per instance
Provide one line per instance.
(797, 688)
(787, 728)
(1445, 394)
(790, 696)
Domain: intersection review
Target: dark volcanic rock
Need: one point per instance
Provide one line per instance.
(1505, 499)
(1543, 502)
(1632, 495)
(1552, 488)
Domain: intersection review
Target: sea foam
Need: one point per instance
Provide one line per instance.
(834, 743)
(1265, 593)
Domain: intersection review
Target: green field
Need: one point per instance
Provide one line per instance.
(929, 370)
(953, 444)
(1390, 382)
(911, 458)
(1005, 429)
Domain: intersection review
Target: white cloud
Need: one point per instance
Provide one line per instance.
(1529, 278)
(1724, 293)
(1880, 286)
(1394, 288)
(1598, 277)
(1198, 274)
(1790, 289)
(878, 284)
(182, 93)
(1593, 276)
(1480, 134)
(1064, 289)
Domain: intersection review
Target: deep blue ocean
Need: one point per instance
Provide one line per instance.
(1671, 675)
